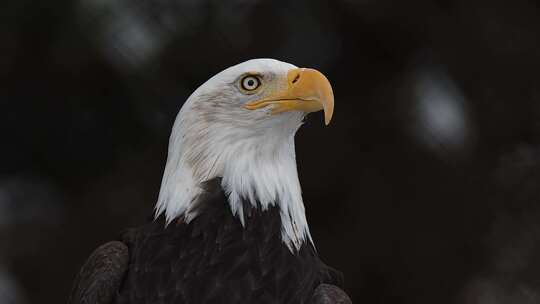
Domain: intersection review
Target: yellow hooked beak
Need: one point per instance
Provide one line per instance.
(308, 91)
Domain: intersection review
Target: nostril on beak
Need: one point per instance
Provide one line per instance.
(296, 78)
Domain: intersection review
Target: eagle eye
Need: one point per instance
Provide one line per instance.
(250, 83)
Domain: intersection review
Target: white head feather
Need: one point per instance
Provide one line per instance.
(253, 151)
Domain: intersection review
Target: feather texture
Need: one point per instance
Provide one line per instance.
(100, 277)
(214, 259)
(330, 294)
(253, 151)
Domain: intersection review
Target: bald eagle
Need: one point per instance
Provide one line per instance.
(230, 224)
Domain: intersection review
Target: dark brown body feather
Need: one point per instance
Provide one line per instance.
(213, 259)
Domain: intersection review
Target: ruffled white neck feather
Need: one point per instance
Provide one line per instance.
(256, 162)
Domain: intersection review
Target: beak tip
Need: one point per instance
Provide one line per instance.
(327, 121)
(328, 116)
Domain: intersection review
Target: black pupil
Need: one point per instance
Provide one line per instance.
(250, 82)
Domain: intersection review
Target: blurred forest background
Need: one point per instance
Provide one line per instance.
(432, 194)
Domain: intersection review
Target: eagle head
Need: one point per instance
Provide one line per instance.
(240, 126)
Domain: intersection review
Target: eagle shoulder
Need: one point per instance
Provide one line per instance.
(100, 277)
(329, 294)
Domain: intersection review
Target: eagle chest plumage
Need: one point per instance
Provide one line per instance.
(214, 259)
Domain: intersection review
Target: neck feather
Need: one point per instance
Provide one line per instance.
(257, 168)
(268, 179)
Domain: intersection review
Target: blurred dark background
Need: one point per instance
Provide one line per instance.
(432, 192)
